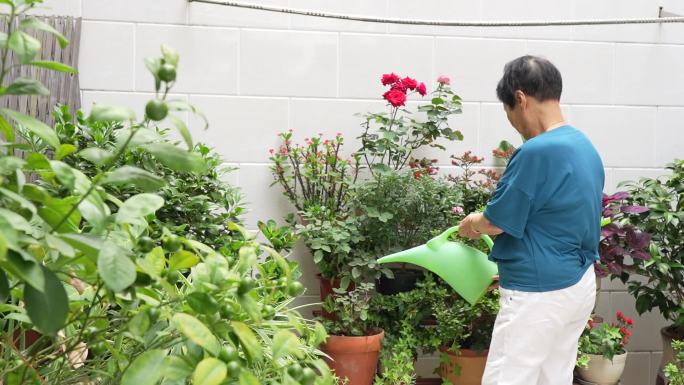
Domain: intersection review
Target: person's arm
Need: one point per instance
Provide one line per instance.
(476, 224)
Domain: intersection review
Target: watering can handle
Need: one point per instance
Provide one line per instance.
(445, 236)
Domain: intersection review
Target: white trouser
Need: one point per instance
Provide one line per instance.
(536, 334)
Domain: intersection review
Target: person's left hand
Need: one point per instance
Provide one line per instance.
(465, 229)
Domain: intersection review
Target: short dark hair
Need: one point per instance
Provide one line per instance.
(534, 76)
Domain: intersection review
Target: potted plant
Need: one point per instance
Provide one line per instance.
(674, 371)
(397, 211)
(353, 344)
(462, 334)
(397, 359)
(663, 287)
(318, 183)
(602, 352)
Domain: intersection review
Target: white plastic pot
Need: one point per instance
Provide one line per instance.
(602, 371)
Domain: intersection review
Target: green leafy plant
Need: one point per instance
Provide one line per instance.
(95, 287)
(396, 359)
(664, 221)
(390, 139)
(350, 310)
(606, 339)
(674, 372)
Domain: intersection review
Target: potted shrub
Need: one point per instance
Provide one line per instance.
(602, 352)
(663, 288)
(397, 360)
(353, 344)
(462, 335)
(397, 211)
(318, 183)
(674, 371)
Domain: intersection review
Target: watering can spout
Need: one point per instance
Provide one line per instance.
(412, 256)
(464, 268)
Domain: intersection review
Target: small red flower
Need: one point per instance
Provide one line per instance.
(417, 174)
(620, 315)
(271, 151)
(421, 89)
(395, 97)
(389, 79)
(630, 321)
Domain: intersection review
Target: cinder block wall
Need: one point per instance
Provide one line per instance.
(257, 73)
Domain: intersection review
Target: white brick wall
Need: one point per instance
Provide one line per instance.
(258, 73)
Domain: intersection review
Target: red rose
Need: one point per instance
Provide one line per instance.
(421, 89)
(619, 314)
(630, 322)
(389, 79)
(395, 97)
(409, 83)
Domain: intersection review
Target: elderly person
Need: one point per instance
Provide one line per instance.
(546, 213)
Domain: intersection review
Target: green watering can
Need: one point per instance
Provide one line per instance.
(464, 268)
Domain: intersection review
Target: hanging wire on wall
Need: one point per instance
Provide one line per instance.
(663, 17)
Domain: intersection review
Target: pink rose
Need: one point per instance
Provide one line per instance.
(443, 79)
(457, 210)
(395, 97)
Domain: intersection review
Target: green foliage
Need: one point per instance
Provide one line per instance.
(674, 372)
(606, 339)
(397, 358)
(664, 287)
(350, 310)
(107, 250)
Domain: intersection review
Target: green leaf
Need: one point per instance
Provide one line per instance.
(154, 262)
(54, 210)
(9, 164)
(182, 105)
(197, 332)
(26, 86)
(247, 378)
(250, 306)
(183, 130)
(37, 161)
(96, 156)
(53, 65)
(34, 23)
(176, 158)
(65, 150)
(182, 259)
(202, 303)
(135, 176)
(4, 285)
(48, 306)
(24, 45)
(170, 55)
(210, 371)
(147, 369)
(16, 221)
(139, 324)
(284, 343)
(23, 202)
(248, 340)
(89, 245)
(153, 65)
(3, 248)
(6, 129)
(139, 206)
(320, 334)
(37, 127)
(142, 136)
(107, 113)
(3, 35)
(60, 245)
(64, 173)
(177, 369)
(115, 267)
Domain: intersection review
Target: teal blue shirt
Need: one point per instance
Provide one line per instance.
(548, 203)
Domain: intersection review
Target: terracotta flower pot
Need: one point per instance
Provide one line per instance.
(602, 371)
(354, 358)
(326, 288)
(471, 364)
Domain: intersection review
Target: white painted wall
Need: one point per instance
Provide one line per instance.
(255, 74)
